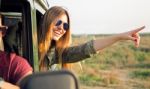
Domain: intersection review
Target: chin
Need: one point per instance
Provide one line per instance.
(56, 38)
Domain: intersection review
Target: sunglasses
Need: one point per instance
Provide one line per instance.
(65, 25)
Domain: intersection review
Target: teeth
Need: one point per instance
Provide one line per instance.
(57, 32)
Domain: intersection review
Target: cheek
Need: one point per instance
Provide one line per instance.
(64, 32)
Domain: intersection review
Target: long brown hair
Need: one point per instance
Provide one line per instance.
(45, 35)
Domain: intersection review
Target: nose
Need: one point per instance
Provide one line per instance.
(60, 27)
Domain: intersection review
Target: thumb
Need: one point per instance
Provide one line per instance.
(132, 38)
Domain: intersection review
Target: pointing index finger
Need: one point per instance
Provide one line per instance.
(138, 29)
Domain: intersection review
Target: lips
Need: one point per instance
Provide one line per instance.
(57, 33)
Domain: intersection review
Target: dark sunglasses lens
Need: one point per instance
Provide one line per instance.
(66, 26)
(58, 22)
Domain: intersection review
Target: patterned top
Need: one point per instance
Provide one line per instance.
(72, 54)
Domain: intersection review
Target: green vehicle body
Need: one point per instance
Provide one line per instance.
(30, 13)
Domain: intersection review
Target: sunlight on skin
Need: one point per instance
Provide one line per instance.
(132, 35)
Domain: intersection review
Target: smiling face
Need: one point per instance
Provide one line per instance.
(60, 28)
(55, 26)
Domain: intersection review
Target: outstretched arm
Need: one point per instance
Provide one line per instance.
(130, 35)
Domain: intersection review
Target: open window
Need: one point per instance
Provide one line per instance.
(13, 17)
(13, 39)
(25, 15)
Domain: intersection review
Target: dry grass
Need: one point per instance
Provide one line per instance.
(110, 69)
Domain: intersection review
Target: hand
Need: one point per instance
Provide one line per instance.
(132, 35)
(7, 85)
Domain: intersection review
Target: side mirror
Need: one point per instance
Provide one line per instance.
(50, 80)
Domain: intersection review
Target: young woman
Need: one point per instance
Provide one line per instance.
(55, 39)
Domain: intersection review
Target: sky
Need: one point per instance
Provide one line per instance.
(106, 16)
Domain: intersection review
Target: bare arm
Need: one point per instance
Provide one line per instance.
(130, 35)
(7, 85)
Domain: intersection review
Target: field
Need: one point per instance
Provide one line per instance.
(120, 66)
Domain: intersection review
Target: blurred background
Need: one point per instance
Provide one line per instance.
(106, 16)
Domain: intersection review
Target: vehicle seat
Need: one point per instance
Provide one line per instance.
(50, 80)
